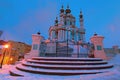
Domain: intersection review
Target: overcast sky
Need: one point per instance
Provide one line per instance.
(19, 19)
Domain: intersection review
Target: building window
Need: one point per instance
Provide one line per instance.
(35, 46)
(65, 22)
(99, 47)
(70, 23)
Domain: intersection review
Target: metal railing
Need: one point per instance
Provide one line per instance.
(64, 49)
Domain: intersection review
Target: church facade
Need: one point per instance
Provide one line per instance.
(66, 39)
(66, 29)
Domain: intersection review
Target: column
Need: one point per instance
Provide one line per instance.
(64, 35)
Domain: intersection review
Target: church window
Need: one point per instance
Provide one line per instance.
(99, 47)
(70, 23)
(65, 22)
(35, 46)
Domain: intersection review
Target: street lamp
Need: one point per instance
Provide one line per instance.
(78, 48)
(56, 47)
(67, 41)
(5, 47)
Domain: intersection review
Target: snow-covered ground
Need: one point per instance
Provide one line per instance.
(114, 74)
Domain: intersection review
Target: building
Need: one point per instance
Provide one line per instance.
(15, 52)
(66, 39)
(66, 29)
(111, 52)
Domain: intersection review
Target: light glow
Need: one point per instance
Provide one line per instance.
(6, 46)
(11, 59)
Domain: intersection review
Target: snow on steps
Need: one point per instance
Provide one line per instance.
(23, 71)
(67, 62)
(67, 67)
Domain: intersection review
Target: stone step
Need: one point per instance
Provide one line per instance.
(55, 72)
(61, 66)
(66, 59)
(68, 67)
(67, 62)
(16, 72)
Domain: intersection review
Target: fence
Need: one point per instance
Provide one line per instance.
(64, 49)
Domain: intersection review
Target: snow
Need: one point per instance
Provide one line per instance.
(65, 58)
(65, 61)
(61, 71)
(115, 59)
(114, 74)
(69, 66)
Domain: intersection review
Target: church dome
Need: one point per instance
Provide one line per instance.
(68, 10)
(56, 21)
(62, 10)
(38, 33)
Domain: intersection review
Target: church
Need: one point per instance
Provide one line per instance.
(66, 39)
(65, 52)
(66, 29)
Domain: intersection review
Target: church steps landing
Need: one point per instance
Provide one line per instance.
(65, 59)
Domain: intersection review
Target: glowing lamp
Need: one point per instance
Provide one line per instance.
(11, 59)
(6, 46)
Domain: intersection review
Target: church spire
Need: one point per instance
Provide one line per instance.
(81, 15)
(56, 21)
(81, 19)
(62, 9)
(67, 6)
(82, 32)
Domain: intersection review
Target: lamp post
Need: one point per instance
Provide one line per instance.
(78, 48)
(5, 47)
(56, 47)
(67, 41)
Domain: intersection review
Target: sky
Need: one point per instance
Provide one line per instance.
(19, 19)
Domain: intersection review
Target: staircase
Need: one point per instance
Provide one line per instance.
(61, 66)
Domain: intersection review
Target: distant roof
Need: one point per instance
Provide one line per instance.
(2, 42)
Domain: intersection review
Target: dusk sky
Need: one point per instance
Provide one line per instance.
(19, 19)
